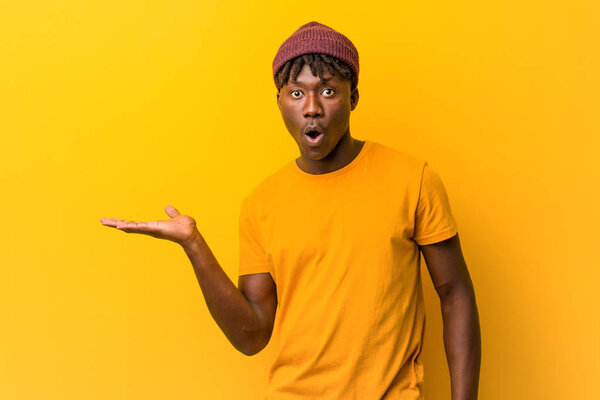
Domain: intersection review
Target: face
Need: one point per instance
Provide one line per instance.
(307, 104)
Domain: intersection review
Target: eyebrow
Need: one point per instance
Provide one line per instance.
(325, 80)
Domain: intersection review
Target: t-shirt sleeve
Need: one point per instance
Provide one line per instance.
(253, 258)
(434, 221)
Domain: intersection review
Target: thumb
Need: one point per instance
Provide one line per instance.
(171, 211)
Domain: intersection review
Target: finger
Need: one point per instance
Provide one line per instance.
(134, 226)
(171, 211)
(110, 221)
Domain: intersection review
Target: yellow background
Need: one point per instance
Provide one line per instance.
(118, 108)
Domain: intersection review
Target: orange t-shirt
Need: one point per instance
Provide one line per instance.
(342, 248)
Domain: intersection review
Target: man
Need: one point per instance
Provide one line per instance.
(330, 245)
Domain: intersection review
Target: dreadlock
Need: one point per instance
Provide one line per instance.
(317, 62)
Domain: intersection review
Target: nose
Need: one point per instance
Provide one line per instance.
(312, 106)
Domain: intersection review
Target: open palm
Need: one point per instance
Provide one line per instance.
(179, 229)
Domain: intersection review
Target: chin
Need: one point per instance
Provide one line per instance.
(316, 154)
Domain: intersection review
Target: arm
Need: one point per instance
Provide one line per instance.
(462, 337)
(246, 315)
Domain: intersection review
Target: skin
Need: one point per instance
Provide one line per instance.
(246, 313)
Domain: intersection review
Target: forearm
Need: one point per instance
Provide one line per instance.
(462, 341)
(229, 308)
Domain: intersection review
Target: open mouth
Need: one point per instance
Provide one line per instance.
(313, 135)
(314, 138)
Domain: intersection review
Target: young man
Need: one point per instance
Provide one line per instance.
(330, 245)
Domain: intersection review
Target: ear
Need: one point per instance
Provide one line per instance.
(354, 99)
(278, 100)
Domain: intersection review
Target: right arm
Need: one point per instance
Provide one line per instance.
(245, 315)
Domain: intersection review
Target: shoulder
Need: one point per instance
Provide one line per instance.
(267, 189)
(389, 158)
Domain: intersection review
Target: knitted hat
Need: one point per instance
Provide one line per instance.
(316, 38)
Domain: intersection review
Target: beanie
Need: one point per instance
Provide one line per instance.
(314, 37)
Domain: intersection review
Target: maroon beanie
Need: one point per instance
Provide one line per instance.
(316, 38)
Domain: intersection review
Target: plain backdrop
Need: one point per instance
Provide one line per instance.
(118, 108)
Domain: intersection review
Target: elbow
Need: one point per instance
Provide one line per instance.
(254, 345)
(254, 336)
(451, 293)
(246, 351)
(250, 351)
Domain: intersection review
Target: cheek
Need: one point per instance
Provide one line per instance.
(290, 119)
(340, 115)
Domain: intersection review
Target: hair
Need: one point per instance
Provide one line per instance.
(317, 63)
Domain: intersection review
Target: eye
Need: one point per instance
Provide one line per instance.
(295, 91)
(331, 91)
